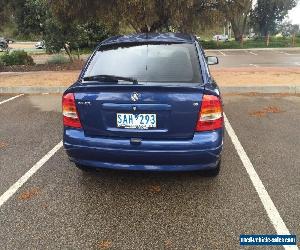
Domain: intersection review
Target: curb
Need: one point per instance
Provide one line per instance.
(225, 90)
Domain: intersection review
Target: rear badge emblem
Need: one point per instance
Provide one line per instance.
(84, 103)
(135, 96)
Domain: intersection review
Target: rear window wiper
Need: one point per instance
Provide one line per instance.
(113, 78)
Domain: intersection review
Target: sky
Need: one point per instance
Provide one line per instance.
(294, 15)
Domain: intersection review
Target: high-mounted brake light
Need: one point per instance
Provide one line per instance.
(211, 114)
(70, 114)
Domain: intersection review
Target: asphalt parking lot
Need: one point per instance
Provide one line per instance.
(61, 207)
(257, 58)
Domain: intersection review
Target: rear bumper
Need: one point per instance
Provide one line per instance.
(201, 152)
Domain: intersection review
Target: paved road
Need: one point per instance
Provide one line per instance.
(257, 58)
(61, 207)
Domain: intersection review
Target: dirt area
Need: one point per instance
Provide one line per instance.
(22, 45)
(224, 77)
(76, 65)
(256, 76)
(40, 78)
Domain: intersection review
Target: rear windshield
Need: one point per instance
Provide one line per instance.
(149, 63)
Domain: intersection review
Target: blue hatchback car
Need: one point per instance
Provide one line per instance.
(145, 102)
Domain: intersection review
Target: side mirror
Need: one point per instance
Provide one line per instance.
(212, 60)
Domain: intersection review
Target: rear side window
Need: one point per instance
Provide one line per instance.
(149, 63)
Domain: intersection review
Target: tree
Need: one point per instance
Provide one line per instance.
(35, 14)
(141, 15)
(288, 29)
(267, 13)
(237, 12)
(36, 17)
(27, 15)
(72, 35)
(5, 13)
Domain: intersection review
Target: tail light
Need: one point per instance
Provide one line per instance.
(70, 114)
(211, 114)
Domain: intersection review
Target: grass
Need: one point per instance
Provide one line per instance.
(82, 51)
(280, 42)
(58, 59)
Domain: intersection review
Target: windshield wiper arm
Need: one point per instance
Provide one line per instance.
(110, 78)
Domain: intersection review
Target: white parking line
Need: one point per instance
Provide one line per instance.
(252, 53)
(15, 187)
(222, 53)
(266, 200)
(10, 99)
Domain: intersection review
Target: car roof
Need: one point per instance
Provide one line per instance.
(150, 38)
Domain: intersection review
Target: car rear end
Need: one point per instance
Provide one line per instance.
(159, 116)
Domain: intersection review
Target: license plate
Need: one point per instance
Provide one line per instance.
(136, 121)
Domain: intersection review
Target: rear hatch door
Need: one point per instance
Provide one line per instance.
(159, 112)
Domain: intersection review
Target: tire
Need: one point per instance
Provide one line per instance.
(84, 168)
(213, 172)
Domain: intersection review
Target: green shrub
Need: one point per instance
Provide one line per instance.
(257, 42)
(221, 45)
(1, 63)
(58, 59)
(18, 57)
